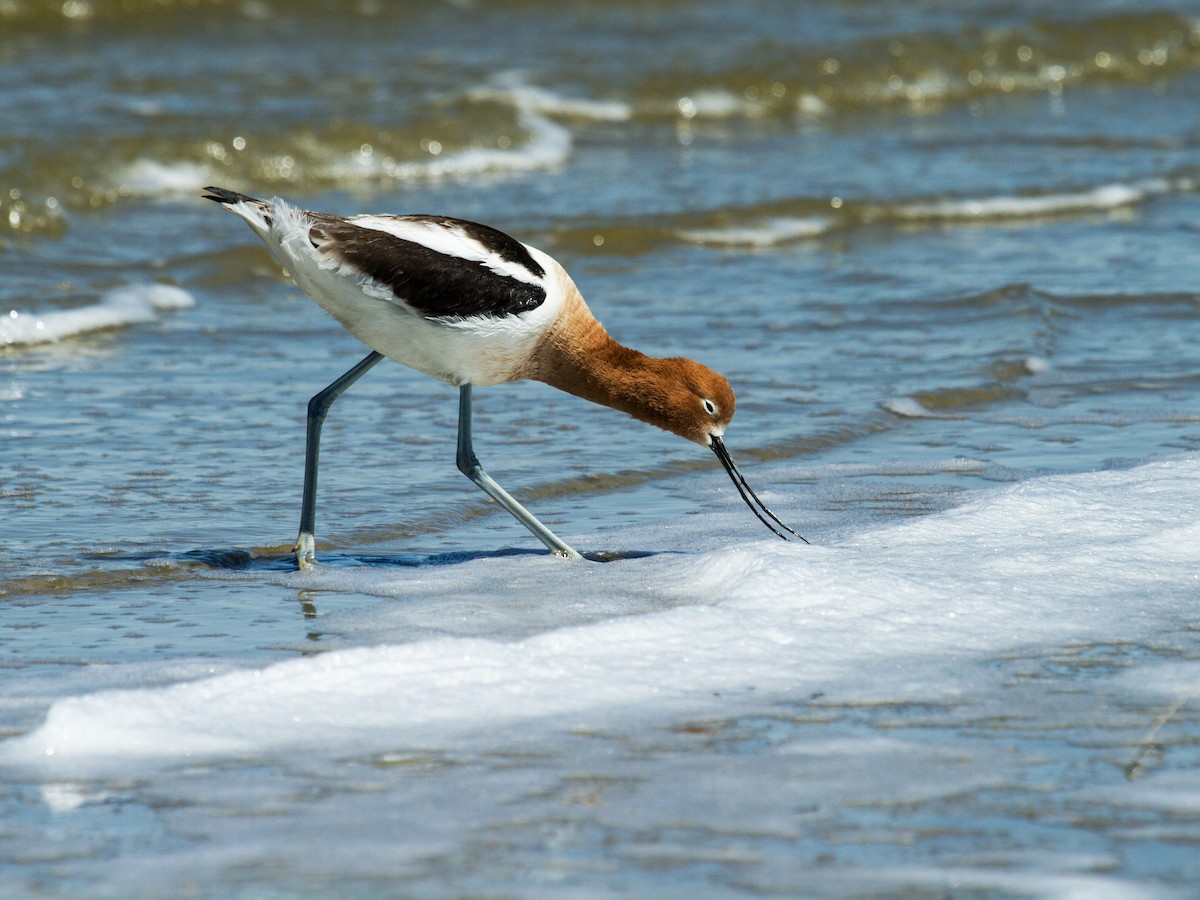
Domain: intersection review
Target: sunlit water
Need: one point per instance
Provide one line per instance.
(947, 259)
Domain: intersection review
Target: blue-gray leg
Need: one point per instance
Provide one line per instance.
(318, 406)
(469, 465)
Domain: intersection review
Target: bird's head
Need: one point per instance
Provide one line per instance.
(698, 404)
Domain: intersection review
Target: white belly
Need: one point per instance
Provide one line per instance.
(478, 349)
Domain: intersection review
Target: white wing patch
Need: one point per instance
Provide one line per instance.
(447, 238)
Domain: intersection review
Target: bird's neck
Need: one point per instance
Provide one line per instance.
(579, 356)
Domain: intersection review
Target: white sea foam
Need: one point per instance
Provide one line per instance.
(1086, 884)
(152, 178)
(714, 104)
(767, 233)
(811, 105)
(908, 408)
(120, 307)
(548, 103)
(547, 145)
(891, 613)
(761, 233)
(1101, 198)
(1036, 365)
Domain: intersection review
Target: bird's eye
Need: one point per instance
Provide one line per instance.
(710, 407)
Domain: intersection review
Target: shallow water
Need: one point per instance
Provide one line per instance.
(941, 253)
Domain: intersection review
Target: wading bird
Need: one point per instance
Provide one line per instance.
(469, 305)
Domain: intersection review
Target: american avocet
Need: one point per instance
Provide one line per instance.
(470, 305)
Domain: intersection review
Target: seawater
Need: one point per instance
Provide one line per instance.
(946, 257)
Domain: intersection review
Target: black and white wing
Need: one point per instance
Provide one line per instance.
(441, 267)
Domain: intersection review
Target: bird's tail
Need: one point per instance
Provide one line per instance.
(258, 214)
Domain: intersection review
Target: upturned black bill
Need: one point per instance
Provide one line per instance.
(747, 492)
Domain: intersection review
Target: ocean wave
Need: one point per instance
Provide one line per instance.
(129, 305)
(755, 228)
(492, 131)
(1036, 206)
(545, 102)
(503, 125)
(971, 58)
(933, 68)
(547, 144)
(768, 233)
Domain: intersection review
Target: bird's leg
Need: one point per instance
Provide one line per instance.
(318, 406)
(468, 464)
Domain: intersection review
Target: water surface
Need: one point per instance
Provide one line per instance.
(941, 253)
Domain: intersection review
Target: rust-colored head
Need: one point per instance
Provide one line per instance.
(685, 398)
(694, 402)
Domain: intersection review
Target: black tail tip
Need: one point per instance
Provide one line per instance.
(221, 195)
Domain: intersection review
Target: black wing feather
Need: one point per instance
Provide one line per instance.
(436, 284)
